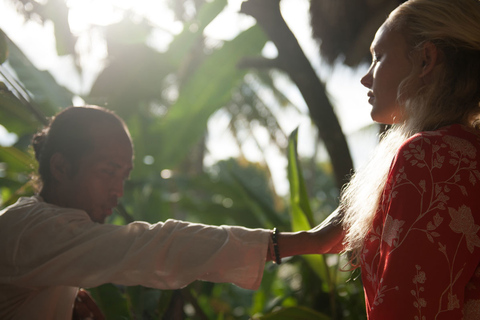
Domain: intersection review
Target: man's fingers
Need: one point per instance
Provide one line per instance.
(85, 307)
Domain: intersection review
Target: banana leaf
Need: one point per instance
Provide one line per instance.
(300, 212)
(48, 95)
(3, 47)
(208, 90)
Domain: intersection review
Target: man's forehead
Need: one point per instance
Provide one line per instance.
(103, 128)
(111, 143)
(106, 148)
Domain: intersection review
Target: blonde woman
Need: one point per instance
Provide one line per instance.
(412, 216)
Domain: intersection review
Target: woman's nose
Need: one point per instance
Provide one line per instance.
(367, 79)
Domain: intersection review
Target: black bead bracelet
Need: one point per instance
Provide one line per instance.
(278, 260)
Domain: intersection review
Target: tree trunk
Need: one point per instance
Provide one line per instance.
(292, 60)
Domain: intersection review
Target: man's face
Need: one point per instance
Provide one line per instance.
(98, 182)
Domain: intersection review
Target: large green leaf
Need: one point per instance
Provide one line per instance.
(135, 75)
(17, 160)
(208, 90)
(8, 197)
(298, 192)
(183, 43)
(259, 198)
(300, 212)
(16, 167)
(15, 117)
(3, 47)
(47, 94)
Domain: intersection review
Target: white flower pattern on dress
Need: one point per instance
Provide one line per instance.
(419, 303)
(428, 208)
(391, 230)
(472, 309)
(463, 222)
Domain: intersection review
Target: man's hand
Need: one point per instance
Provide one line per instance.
(85, 308)
(327, 237)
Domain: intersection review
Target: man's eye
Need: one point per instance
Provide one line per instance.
(109, 172)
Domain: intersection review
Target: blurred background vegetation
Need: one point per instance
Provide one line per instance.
(167, 98)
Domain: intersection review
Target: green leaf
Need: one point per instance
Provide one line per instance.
(209, 11)
(262, 201)
(47, 93)
(16, 165)
(208, 90)
(25, 190)
(111, 301)
(183, 43)
(17, 160)
(300, 212)
(143, 301)
(164, 302)
(15, 116)
(3, 47)
(297, 313)
(302, 216)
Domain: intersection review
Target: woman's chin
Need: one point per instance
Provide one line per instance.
(387, 119)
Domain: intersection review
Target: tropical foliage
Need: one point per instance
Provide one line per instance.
(167, 99)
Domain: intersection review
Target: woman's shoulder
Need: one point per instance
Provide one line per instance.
(456, 138)
(451, 152)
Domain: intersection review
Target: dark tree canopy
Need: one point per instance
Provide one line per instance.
(345, 28)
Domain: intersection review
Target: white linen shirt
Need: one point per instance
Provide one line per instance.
(47, 252)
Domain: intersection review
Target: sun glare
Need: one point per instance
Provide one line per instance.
(85, 13)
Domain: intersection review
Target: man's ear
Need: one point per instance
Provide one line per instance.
(429, 58)
(60, 167)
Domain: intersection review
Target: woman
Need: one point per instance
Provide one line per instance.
(412, 215)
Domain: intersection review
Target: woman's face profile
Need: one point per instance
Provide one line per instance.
(390, 66)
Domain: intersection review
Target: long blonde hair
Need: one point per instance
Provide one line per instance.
(453, 96)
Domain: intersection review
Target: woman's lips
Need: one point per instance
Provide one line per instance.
(370, 97)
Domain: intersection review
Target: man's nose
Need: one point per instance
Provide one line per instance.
(117, 188)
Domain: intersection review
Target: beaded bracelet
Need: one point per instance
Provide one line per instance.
(278, 260)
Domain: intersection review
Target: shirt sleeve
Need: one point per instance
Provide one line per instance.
(429, 244)
(69, 249)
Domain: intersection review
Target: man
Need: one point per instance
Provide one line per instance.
(56, 242)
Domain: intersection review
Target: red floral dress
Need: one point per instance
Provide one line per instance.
(421, 258)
